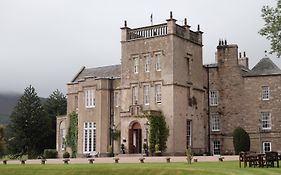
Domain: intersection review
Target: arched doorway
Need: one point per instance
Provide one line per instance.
(135, 138)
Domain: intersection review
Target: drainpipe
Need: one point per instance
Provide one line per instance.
(111, 118)
(208, 89)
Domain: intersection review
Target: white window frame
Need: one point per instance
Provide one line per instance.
(265, 93)
(266, 120)
(62, 138)
(158, 62)
(90, 98)
(158, 95)
(188, 133)
(89, 137)
(146, 63)
(146, 94)
(135, 95)
(216, 147)
(136, 65)
(214, 97)
(266, 147)
(215, 122)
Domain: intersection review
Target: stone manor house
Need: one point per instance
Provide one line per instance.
(162, 70)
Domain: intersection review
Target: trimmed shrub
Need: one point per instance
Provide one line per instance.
(241, 140)
(50, 153)
(66, 155)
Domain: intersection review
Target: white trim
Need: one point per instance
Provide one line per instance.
(266, 144)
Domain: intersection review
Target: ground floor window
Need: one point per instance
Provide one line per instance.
(62, 138)
(266, 146)
(217, 147)
(188, 133)
(89, 137)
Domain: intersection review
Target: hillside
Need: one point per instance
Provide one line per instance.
(7, 104)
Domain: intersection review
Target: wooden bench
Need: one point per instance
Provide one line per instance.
(168, 159)
(65, 161)
(91, 160)
(5, 162)
(43, 161)
(221, 159)
(141, 159)
(116, 159)
(271, 158)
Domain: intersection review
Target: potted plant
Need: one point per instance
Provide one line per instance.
(157, 150)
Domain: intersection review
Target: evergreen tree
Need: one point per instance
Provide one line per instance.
(158, 133)
(272, 27)
(29, 126)
(54, 106)
(1, 140)
(241, 140)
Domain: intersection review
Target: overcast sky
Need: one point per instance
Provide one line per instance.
(45, 42)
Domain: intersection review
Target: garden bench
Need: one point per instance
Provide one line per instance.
(43, 161)
(91, 160)
(141, 159)
(93, 154)
(270, 158)
(116, 159)
(22, 162)
(65, 161)
(168, 159)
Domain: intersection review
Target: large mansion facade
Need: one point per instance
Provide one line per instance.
(162, 70)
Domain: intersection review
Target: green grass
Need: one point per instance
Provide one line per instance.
(202, 168)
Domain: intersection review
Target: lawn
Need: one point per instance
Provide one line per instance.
(215, 168)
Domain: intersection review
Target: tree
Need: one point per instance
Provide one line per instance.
(241, 140)
(29, 126)
(54, 106)
(1, 140)
(272, 27)
(158, 132)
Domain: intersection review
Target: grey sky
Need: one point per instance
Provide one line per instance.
(45, 42)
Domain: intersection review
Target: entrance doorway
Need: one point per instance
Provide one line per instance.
(135, 138)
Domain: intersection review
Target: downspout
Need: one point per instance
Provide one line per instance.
(208, 110)
(111, 119)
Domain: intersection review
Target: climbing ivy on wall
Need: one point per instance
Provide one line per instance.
(158, 132)
(72, 135)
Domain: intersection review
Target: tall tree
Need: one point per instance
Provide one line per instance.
(54, 106)
(29, 126)
(1, 140)
(272, 27)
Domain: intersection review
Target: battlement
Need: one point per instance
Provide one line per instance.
(160, 30)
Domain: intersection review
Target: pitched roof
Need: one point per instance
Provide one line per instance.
(113, 71)
(265, 67)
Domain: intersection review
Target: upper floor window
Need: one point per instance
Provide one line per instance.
(158, 62)
(90, 98)
(215, 122)
(136, 65)
(135, 94)
(146, 63)
(265, 93)
(116, 99)
(266, 147)
(76, 102)
(214, 98)
(158, 93)
(265, 120)
(146, 94)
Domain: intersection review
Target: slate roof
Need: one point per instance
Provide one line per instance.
(113, 71)
(264, 67)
